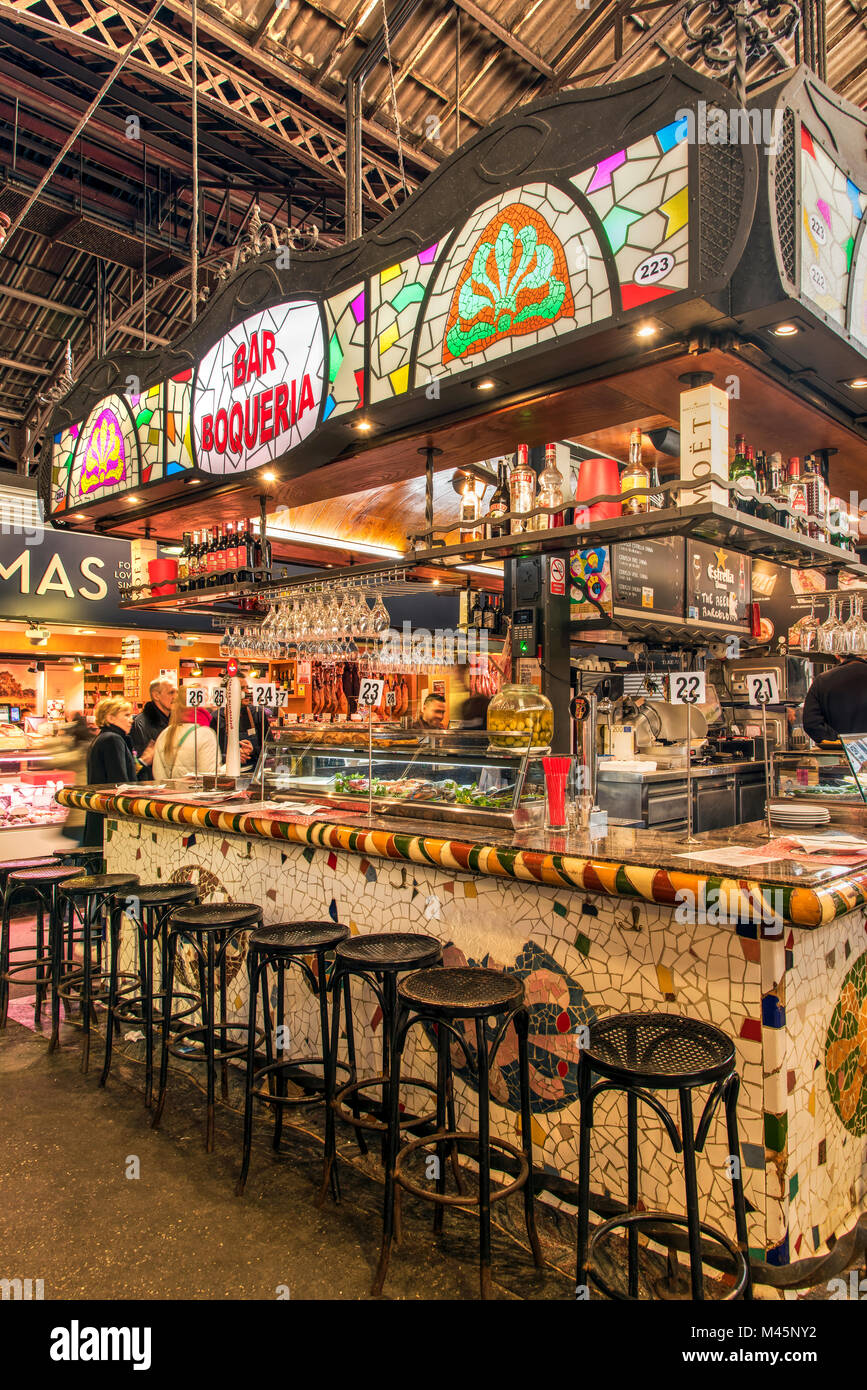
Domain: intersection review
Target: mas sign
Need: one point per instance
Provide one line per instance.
(258, 390)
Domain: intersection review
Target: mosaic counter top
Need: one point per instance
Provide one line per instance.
(794, 1002)
(643, 864)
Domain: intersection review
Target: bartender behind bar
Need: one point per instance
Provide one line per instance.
(836, 702)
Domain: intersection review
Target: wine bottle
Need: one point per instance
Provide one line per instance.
(229, 554)
(184, 565)
(499, 504)
(743, 474)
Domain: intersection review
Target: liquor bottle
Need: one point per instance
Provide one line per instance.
(742, 473)
(796, 497)
(499, 503)
(478, 613)
(838, 523)
(489, 615)
(817, 500)
(550, 494)
(229, 556)
(184, 565)
(469, 513)
(635, 475)
(522, 489)
(213, 557)
(195, 547)
(263, 549)
(657, 499)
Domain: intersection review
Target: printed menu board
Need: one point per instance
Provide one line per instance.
(717, 585)
(647, 576)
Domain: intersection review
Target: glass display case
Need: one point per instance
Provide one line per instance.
(816, 775)
(28, 782)
(436, 776)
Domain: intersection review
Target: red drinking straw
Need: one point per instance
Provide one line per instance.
(556, 776)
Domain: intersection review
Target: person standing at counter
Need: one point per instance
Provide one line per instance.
(110, 758)
(184, 750)
(836, 702)
(147, 726)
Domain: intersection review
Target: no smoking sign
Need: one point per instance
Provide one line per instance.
(558, 576)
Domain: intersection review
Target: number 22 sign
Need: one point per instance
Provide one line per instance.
(687, 687)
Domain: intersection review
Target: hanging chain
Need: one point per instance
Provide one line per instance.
(394, 98)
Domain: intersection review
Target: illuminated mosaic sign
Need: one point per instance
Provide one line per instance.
(257, 392)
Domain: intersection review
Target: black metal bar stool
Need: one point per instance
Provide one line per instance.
(133, 1002)
(42, 881)
(278, 948)
(377, 958)
(210, 928)
(93, 898)
(444, 998)
(640, 1053)
(89, 857)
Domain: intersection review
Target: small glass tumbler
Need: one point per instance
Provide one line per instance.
(556, 776)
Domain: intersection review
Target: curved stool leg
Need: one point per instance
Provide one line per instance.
(169, 965)
(585, 1131)
(522, 1028)
(328, 1070)
(211, 986)
(113, 952)
(87, 985)
(40, 954)
(253, 976)
(484, 1162)
(691, 1184)
(148, 925)
(732, 1087)
(392, 1145)
(442, 1082)
(632, 1186)
(5, 933)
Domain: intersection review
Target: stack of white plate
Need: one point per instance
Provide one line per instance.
(795, 816)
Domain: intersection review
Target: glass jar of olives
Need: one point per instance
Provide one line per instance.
(520, 716)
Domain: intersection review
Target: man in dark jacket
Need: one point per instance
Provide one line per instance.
(836, 702)
(147, 726)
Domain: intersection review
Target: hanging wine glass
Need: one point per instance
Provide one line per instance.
(855, 628)
(829, 632)
(809, 630)
(380, 617)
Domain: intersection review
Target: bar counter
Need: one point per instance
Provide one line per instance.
(775, 956)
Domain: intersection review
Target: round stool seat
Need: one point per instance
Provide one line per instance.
(45, 873)
(163, 894)
(12, 866)
(81, 850)
(464, 991)
(389, 951)
(662, 1050)
(216, 916)
(291, 938)
(83, 885)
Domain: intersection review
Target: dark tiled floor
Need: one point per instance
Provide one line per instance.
(71, 1216)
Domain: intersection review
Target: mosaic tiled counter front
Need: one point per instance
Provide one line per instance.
(794, 1000)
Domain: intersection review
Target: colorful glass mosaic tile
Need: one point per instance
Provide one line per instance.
(641, 196)
(178, 396)
(832, 207)
(524, 267)
(107, 457)
(344, 318)
(64, 445)
(396, 296)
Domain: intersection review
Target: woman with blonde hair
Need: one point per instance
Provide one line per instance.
(110, 758)
(188, 747)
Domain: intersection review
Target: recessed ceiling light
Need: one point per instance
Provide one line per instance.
(194, 482)
(857, 383)
(269, 476)
(647, 330)
(785, 330)
(485, 383)
(363, 426)
(133, 501)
